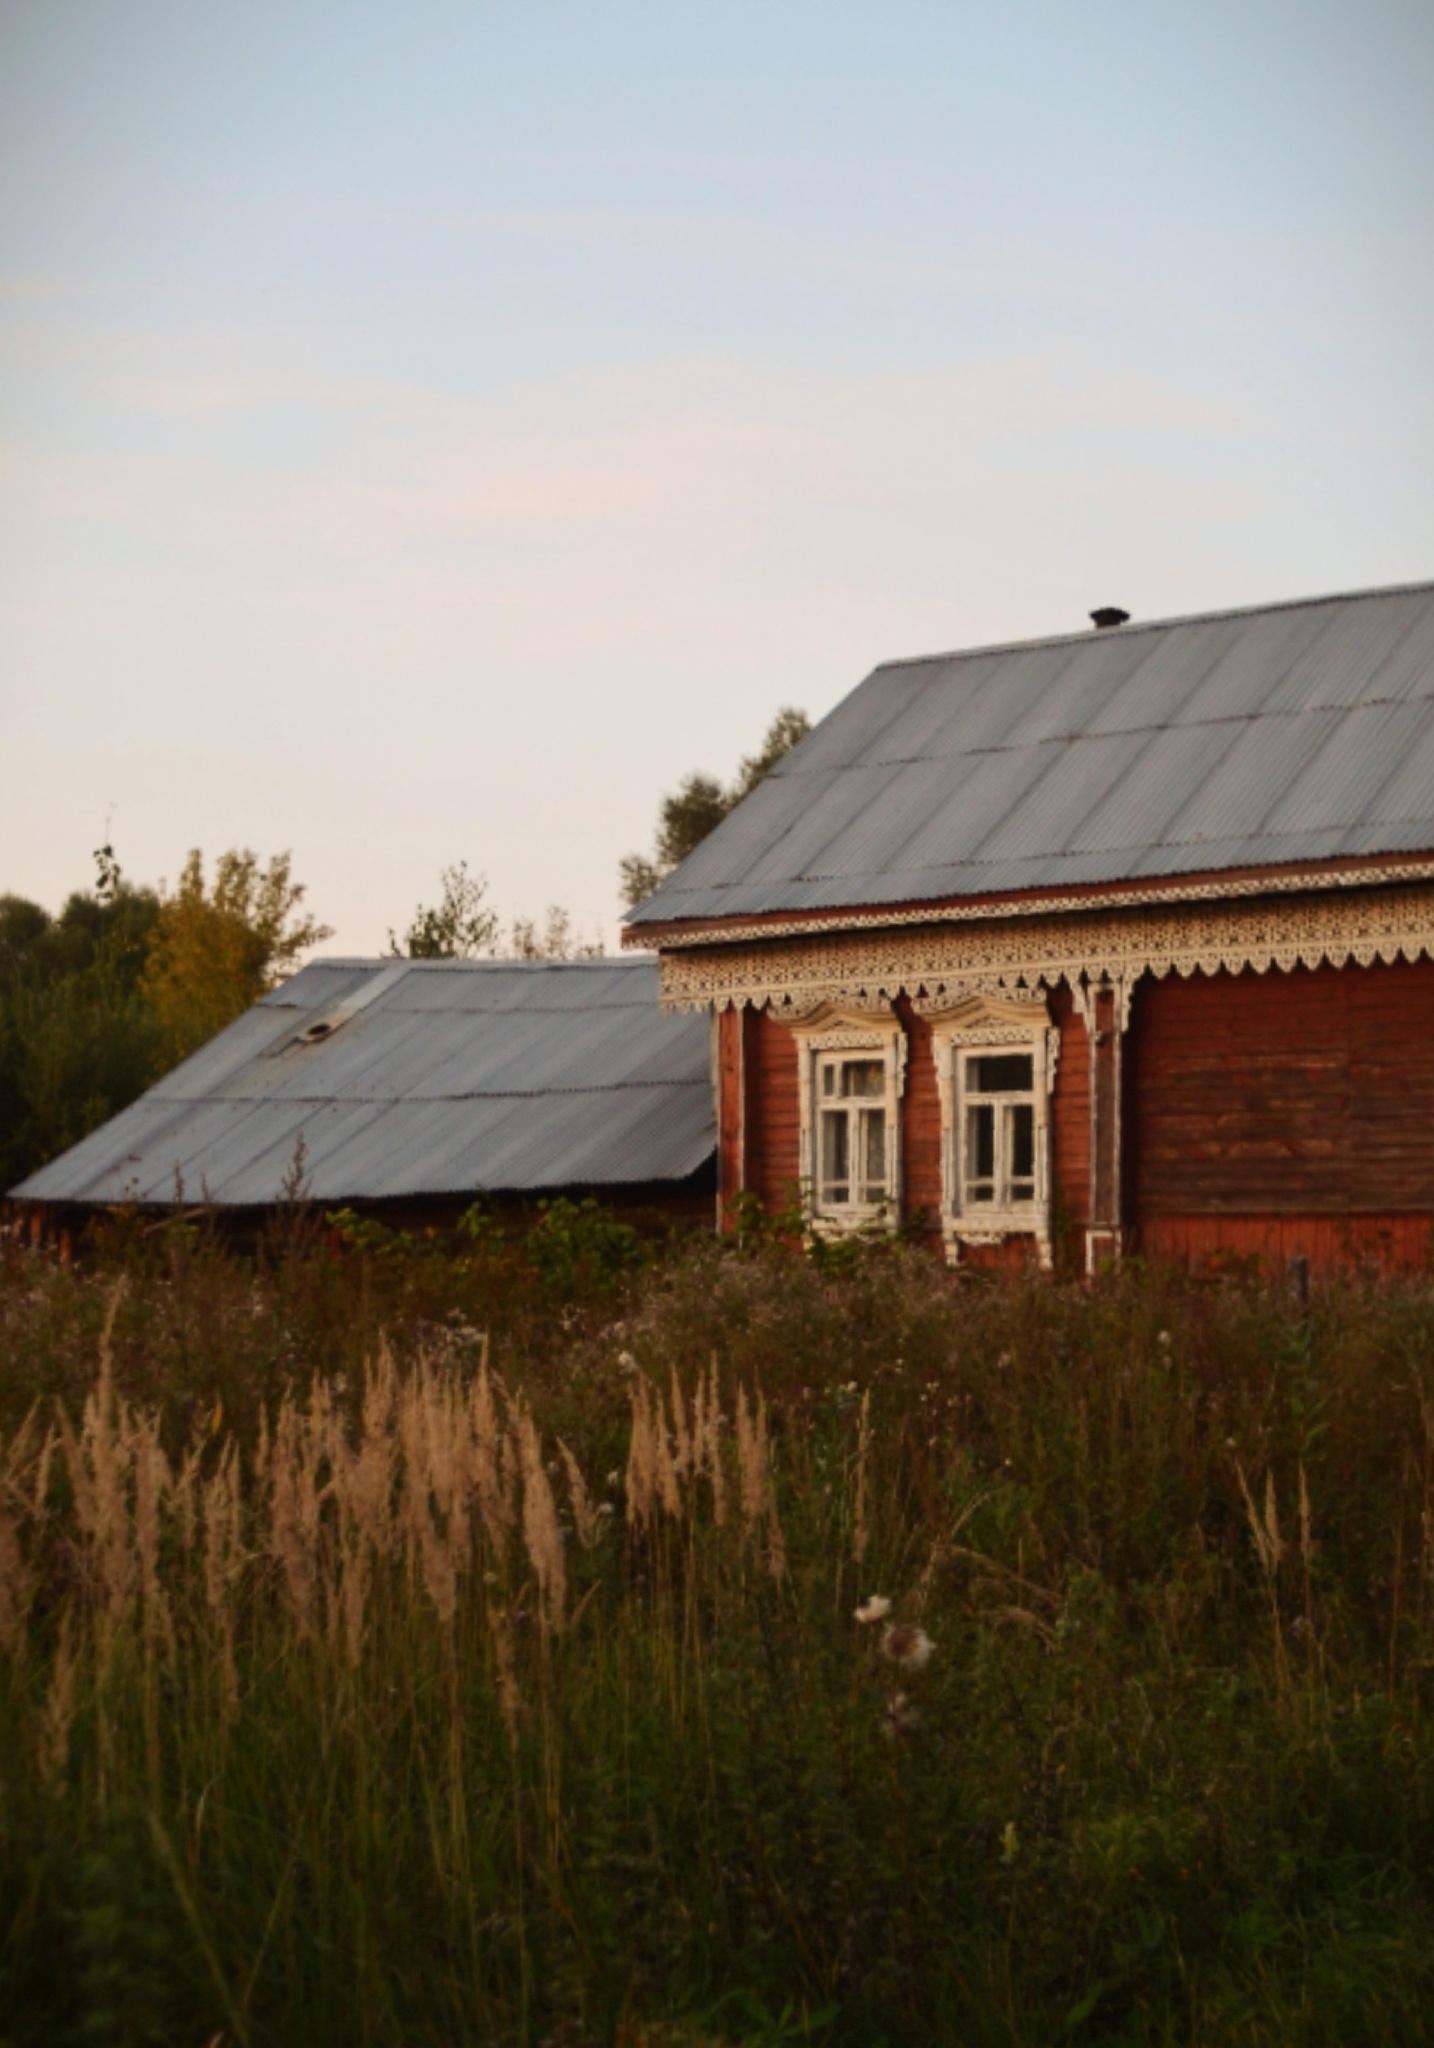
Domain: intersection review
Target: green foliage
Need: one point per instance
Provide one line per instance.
(1170, 1781)
(699, 805)
(460, 926)
(96, 1003)
(581, 1245)
(77, 1039)
(554, 939)
(217, 947)
(366, 1234)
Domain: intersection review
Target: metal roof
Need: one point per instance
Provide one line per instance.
(1283, 734)
(437, 1077)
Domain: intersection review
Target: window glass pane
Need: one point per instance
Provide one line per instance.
(836, 1170)
(980, 1151)
(863, 1077)
(873, 1155)
(981, 1141)
(1020, 1140)
(828, 1080)
(1001, 1073)
(1019, 1143)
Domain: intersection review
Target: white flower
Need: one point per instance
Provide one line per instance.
(873, 1608)
(900, 1716)
(910, 1648)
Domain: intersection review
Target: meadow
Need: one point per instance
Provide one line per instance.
(567, 1642)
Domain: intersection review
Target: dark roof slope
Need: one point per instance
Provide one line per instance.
(432, 1077)
(1289, 733)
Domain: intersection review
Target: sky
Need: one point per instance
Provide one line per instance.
(427, 432)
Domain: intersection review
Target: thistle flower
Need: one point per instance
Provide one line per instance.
(908, 1648)
(873, 1608)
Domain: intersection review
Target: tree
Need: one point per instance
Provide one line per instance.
(699, 805)
(77, 1038)
(461, 926)
(556, 940)
(216, 949)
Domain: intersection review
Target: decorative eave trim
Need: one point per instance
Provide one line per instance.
(1372, 871)
(942, 966)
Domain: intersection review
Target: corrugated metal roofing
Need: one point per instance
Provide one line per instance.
(440, 1078)
(1296, 732)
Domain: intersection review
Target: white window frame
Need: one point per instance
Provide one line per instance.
(993, 1025)
(832, 1034)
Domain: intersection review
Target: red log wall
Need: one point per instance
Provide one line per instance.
(1274, 1115)
(774, 1146)
(1284, 1115)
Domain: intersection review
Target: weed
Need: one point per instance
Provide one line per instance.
(479, 1644)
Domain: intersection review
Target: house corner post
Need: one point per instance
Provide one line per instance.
(1106, 1008)
(728, 1061)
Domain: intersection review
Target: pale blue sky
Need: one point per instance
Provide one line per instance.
(428, 431)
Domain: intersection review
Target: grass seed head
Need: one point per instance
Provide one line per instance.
(587, 1519)
(641, 1486)
(541, 1533)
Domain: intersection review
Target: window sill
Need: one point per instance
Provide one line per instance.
(996, 1228)
(851, 1222)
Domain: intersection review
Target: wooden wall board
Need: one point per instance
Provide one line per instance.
(774, 1150)
(1304, 1093)
(1392, 1243)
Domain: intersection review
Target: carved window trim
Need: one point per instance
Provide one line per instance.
(835, 1028)
(993, 1023)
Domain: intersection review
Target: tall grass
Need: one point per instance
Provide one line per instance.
(758, 1653)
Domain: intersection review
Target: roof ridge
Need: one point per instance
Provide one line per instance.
(1086, 636)
(365, 960)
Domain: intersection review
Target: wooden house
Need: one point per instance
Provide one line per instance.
(1118, 940)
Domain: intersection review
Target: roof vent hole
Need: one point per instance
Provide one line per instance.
(1107, 615)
